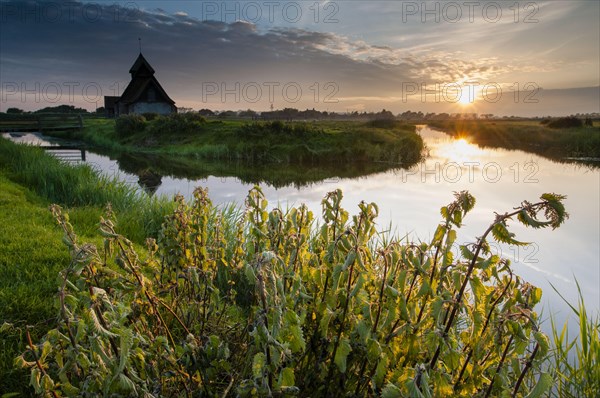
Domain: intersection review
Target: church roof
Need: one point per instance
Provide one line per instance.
(141, 81)
(139, 64)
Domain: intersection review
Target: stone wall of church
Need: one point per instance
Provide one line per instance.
(162, 108)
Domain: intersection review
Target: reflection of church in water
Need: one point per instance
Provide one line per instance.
(149, 181)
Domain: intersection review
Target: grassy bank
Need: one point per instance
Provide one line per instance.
(30, 259)
(528, 136)
(259, 142)
(80, 186)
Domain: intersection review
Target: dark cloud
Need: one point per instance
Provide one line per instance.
(65, 41)
(54, 41)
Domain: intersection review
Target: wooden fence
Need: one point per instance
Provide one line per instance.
(34, 122)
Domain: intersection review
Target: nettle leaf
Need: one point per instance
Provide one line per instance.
(444, 212)
(391, 292)
(542, 340)
(485, 264)
(555, 210)
(439, 233)
(326, 320)
(478, 288)
(403, 309)
(342, 354)
(380, 370)
(424, 289)
(502, 235)
(126, 338)
(362, 329)
(125, 384)
(542, 387)
(531, 221)
(391, 391)
(286, 378)
(373, 350)
(96, 326)
(296, 339)
(466, 201)
(258, 365)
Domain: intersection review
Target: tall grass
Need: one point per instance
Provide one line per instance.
(576, 361)
(80, 185)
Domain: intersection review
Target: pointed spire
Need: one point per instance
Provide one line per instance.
(140, 43)
(141, 66)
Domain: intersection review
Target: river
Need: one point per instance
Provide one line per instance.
(409, 201)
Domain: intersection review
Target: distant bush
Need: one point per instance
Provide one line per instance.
(194, 117)
(277, 127)
(385, 123)
(179, 123)
(544, 122)
(566, 123)
(150, 115)
(130, 124)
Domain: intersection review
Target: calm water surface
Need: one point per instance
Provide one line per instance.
(409, 200)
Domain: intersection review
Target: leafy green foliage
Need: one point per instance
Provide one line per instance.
(176, 124)
(126, 125)
(265, 303)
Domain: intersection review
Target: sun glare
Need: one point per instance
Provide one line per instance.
(466, 98)
(459, 150)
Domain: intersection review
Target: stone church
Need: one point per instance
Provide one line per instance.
(143, 94)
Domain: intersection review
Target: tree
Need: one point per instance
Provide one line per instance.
(248, 113)
(14, 110)
(206, 112)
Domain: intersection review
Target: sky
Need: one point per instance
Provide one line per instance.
(527, 58)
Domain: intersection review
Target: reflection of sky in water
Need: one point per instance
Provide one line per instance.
(410, 200)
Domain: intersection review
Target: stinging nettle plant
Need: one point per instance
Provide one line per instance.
(268, 303)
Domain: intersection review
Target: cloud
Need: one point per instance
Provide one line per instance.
(95, 42)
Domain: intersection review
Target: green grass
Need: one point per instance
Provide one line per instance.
(576, 361)
(32, 255)
(528, 136)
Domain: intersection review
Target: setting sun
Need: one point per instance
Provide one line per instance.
(467, 96)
